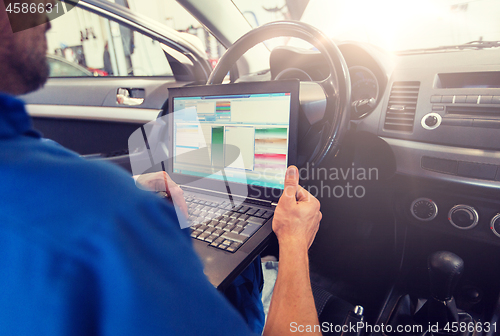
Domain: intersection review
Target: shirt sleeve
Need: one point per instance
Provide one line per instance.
(153, 283)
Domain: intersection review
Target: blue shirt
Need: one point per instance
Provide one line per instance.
(83, 251)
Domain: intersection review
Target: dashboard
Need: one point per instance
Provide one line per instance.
(367, 73)
(440, 116)
(443, 133)
(439, 113)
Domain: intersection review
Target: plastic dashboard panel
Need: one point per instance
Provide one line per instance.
(409, 156)
(426, 74)
(474, 148)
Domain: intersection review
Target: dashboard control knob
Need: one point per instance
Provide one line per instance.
(431, 121)
(463, 217)
(495, 225)
(424, 209)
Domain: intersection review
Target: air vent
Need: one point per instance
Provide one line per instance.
(400, 114)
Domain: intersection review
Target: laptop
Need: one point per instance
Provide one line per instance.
(230, 146)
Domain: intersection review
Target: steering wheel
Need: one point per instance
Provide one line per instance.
(333, 122)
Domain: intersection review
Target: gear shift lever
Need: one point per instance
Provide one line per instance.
(445, 269)
(440, 310)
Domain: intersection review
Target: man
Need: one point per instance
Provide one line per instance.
(85, 252)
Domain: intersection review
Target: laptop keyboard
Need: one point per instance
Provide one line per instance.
(223, 226)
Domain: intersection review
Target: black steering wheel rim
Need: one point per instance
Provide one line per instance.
(337, 86)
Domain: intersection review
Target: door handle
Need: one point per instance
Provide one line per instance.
(130, 97)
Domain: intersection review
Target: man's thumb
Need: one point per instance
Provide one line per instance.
(291, 182)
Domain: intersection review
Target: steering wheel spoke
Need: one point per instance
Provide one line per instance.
(325, 81)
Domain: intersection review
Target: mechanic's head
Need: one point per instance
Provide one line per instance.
(23, 64)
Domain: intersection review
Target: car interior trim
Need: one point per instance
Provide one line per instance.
(409, 156)
(114, 114)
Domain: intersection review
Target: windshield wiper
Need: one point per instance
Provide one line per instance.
(469, 45)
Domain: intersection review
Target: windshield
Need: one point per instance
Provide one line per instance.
(393, 25)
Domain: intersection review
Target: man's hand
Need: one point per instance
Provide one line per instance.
(160, 181)
(297, 216)
(296, 222)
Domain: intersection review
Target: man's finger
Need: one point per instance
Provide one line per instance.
(178, 198)
(181, 204)
(303, 195)
(176, 193)
(291, 184)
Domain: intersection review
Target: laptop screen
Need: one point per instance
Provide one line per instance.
(257, 125)
(247, 135)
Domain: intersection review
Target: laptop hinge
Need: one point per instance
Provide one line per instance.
(258, 201)
(246, 199)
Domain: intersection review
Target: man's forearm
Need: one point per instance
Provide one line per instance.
(292, 304)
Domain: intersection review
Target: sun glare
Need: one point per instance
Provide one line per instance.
(391, 24)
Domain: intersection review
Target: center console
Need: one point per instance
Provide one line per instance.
(469, 216)
(441, 120)
(451, 260)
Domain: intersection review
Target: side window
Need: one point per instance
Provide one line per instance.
(81, 43)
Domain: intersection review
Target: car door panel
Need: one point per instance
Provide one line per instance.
(83, 115)
(101, 91)
(105, 137)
